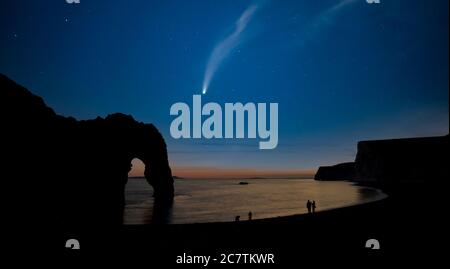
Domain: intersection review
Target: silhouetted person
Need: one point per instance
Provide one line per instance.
(313, 205)
(309, 205)
(237, 218)
(250, 215)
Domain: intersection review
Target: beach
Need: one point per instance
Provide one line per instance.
(341, 232)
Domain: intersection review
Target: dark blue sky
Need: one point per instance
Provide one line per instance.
(341, 71)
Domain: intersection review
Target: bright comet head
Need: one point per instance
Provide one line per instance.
(204, 91)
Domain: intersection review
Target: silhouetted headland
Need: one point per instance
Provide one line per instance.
(72, 172)
(342, 171)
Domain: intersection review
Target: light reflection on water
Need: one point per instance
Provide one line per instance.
(212, 200)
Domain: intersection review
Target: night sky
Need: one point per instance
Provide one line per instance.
(341, 71)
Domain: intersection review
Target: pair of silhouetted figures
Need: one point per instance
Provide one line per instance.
(237, 218)
(311, 206)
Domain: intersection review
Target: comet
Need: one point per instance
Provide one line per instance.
(224, 47)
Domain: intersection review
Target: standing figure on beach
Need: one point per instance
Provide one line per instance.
(237, 218)
(313, 205)
(250, 215)
(308, 205)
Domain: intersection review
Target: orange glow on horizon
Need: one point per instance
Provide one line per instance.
(211, 172)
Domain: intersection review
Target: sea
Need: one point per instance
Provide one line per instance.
(221, 200)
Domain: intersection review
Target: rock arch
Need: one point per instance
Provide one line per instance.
(74, 172)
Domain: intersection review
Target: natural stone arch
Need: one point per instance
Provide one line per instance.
(77, 169)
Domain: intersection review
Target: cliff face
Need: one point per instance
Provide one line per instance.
(67, 172)
(342, 171)
(388, 162)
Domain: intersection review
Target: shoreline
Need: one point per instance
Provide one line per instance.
(281, 219)
(341, 232)
(294, 204)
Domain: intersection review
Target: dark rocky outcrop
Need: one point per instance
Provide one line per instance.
(61, 171)
(342, 171)
(395, 161)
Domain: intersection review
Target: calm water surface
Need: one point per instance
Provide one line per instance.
(212, 200)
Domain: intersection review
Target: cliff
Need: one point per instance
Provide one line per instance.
(342, 171)
(62, 171)
(389, 162)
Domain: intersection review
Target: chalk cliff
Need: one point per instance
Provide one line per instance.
(393, 163)
(389, 162)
